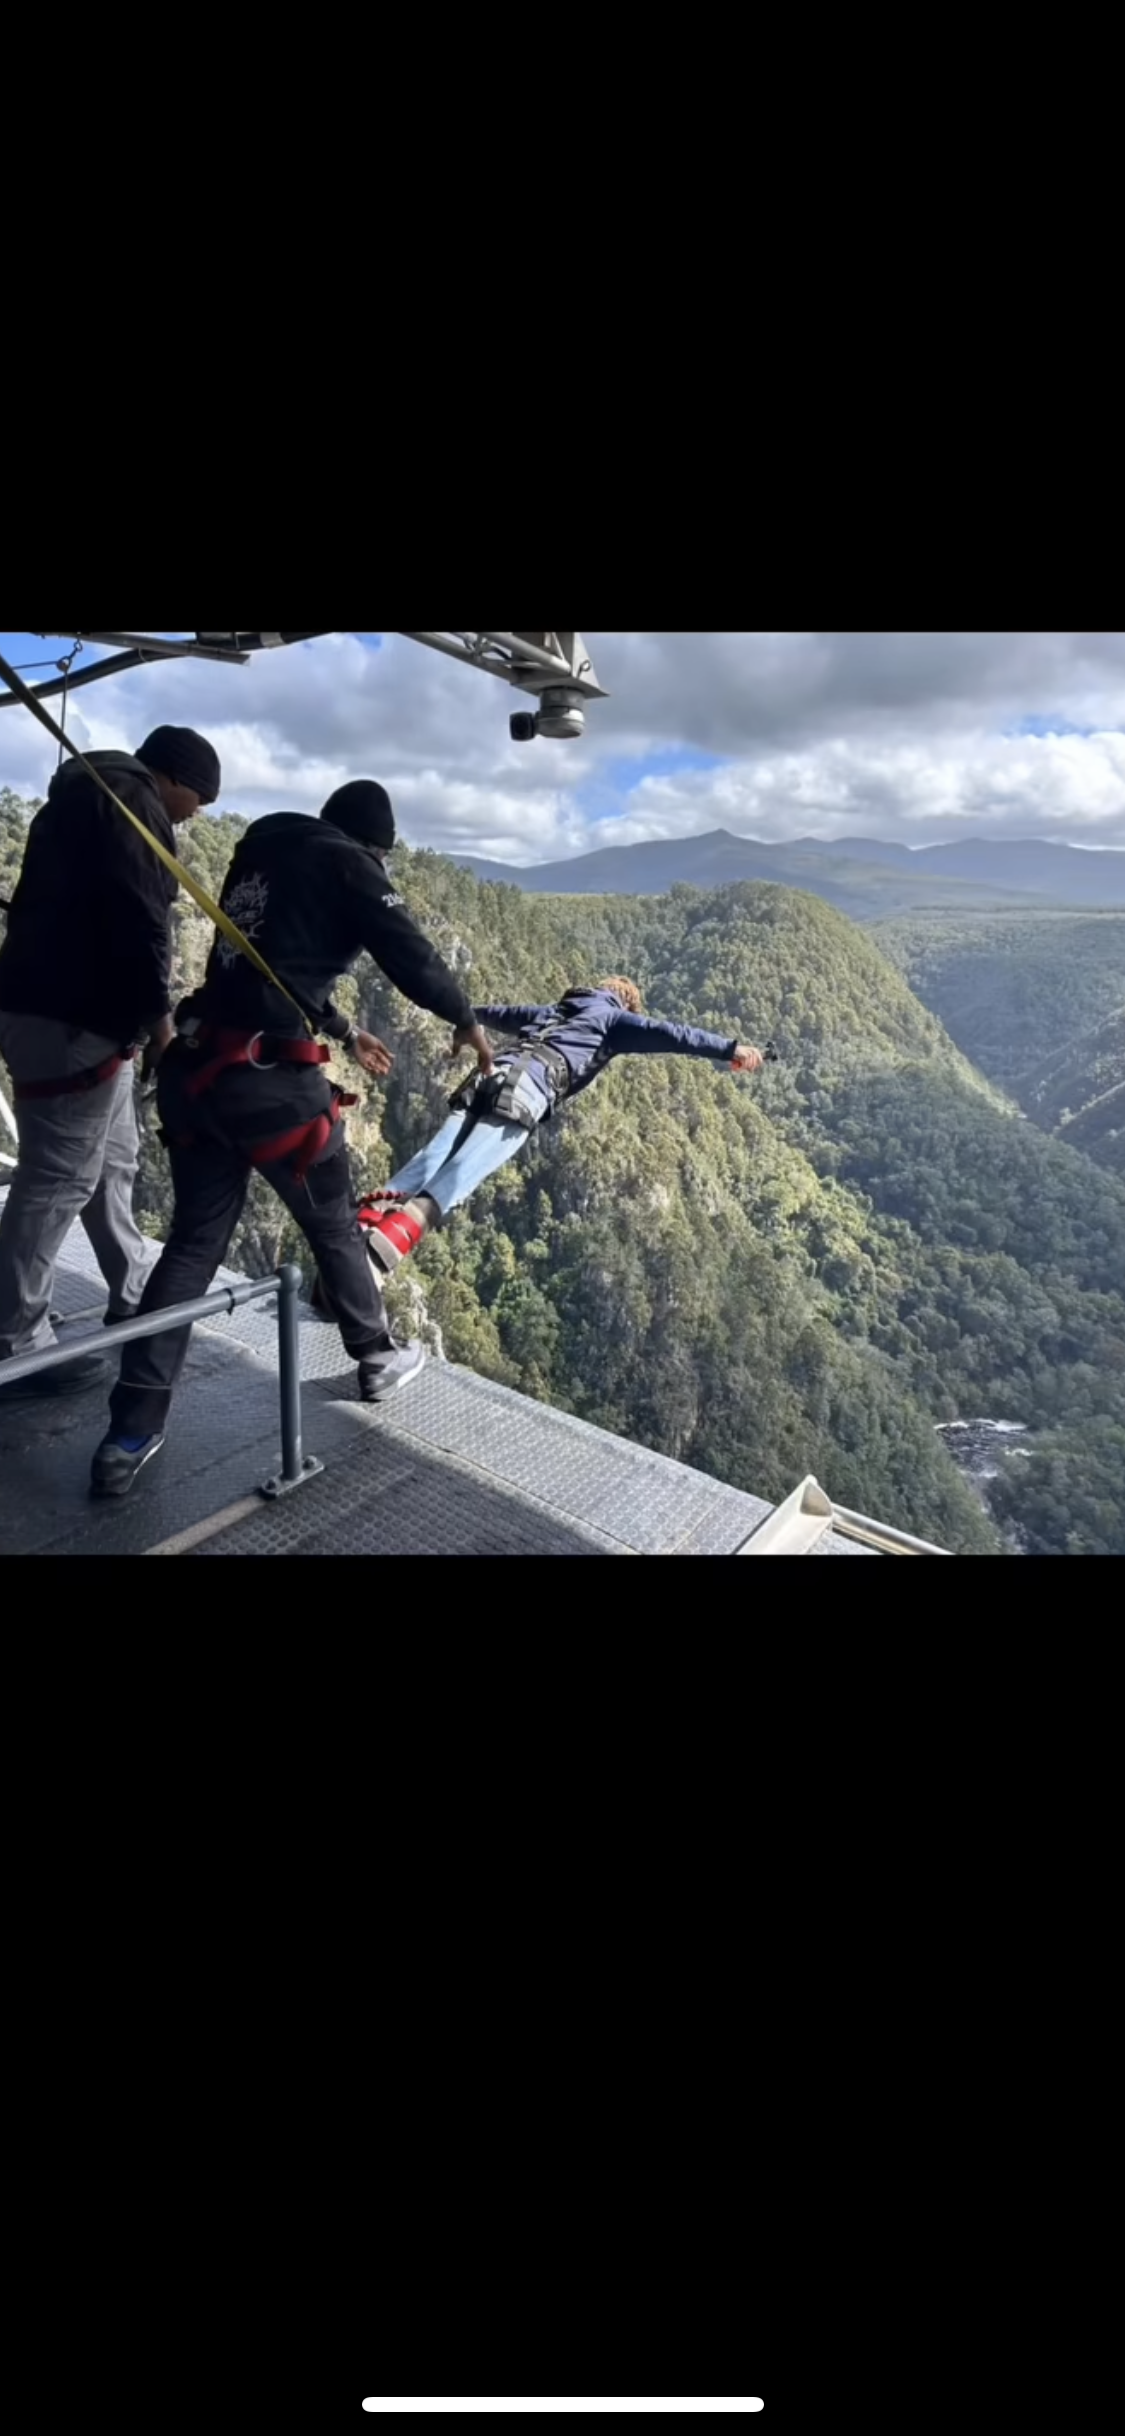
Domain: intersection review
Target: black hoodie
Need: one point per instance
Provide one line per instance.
(89, 929)
(310, 899)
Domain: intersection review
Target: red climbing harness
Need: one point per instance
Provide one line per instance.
(237, 1049)
(302, 1143)
(87, 1080)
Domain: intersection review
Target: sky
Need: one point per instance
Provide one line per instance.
(913, 738)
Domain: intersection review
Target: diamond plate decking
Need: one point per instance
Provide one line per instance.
(454, 1466)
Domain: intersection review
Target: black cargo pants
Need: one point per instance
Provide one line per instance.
(209, 1140)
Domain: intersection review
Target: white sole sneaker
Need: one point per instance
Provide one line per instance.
(378, 1380)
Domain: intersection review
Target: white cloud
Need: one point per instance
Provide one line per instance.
(893, 735)
(1068, 787)
(736, 694)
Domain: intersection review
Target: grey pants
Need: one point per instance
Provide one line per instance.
(77, 1159)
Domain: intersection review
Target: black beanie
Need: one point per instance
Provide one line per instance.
(363, 808)
(187, 759)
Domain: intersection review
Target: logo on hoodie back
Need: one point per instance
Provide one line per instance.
(246, 906)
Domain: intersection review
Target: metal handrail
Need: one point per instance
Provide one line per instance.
(285, 1283)
(809, 1513)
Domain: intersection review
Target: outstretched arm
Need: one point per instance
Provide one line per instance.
(412, 962)
(641, 1036)
(404, 953)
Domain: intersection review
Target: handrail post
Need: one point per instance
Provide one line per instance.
(289, 1370)
(296, 1466)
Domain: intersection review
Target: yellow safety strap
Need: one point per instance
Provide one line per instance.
(207, 904)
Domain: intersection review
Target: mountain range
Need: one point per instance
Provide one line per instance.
(860, 875)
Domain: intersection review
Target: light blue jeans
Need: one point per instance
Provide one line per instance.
(449, 1175)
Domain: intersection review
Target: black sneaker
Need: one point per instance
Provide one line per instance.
(63, 1378)
(115, 1467)
(384, 1372)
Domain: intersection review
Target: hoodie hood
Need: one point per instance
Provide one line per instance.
(317, 837)
(72, 771)
(287, 824)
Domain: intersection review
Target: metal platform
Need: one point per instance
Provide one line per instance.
(455, 1465)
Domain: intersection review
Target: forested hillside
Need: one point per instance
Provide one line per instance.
(1038, 1002)
(803, 1271)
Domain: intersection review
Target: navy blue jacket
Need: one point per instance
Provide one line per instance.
(591, 1026)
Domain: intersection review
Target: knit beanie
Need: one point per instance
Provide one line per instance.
(187, 759)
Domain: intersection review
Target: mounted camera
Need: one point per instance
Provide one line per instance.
(561, 713)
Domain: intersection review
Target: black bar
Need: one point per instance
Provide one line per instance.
(80, 676)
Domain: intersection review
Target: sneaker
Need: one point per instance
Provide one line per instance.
(118, 1461)
(116, 1319)
(396, 1234)
(63, 1379)
(319, 1298)
(382, 1373)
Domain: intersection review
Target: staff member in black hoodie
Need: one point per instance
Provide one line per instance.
(84, 978)
(242, 1087)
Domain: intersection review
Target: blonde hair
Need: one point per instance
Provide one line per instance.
(626, 991)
